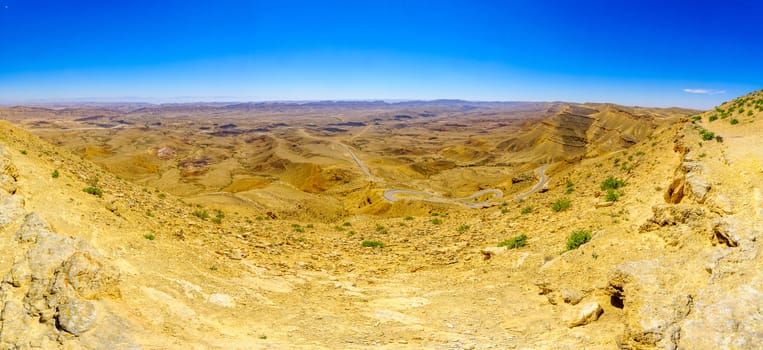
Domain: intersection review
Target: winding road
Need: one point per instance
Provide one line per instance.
(392, 195)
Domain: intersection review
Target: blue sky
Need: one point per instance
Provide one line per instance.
(650, 53)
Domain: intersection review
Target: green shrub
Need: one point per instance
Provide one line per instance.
(381, 228)
(734, 121)
(578, 238)
(613, 195)
(612, 183)
(347, 224)
(707, 135)
(149, 236)
(372, 244)
(94, 191)
(55, 174)
(713, 118)
(201, 214)
(339, 228)
(24, 152)
(462, 228)
(515, 242)
(408, 218)
(436, 221)
(561, 204)
(527, 210)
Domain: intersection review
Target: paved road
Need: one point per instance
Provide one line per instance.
(541, 182)
(392, 195)
(360, 164)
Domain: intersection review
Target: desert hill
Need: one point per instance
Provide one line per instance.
(299, 249)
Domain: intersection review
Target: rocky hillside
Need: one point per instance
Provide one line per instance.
(577, 131)
(653, 246)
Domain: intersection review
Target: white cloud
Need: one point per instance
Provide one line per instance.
(705, 91)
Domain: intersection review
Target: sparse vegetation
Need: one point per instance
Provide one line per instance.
(570, 187)
(372, 244)
(436, 221)
(561, 204)
(93, 190)
(24, 152)
(578, 238)
(55, 174)
(713, 118)
(526, 210)
(347, 224)
(613, 195)
(734, 121)
(514, 242)
(219, 215)
(201, 214)
(408, 218)
(381, 228)
(149, 236)
(612, 183)
(149, 213)
(462, 228)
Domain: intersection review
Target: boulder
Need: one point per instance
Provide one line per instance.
(571, 296)
(76, 316)
(583, 314)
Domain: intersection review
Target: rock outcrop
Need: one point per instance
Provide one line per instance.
(51, 295)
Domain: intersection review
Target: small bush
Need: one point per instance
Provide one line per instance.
(734, 121)
(201, 214)
(612, 183)
(24, 152)
(309, 226)
(527, 210)
(94, 191)
(372, 244)
(613, 195)
(347, 224)
(718, 139)
(55, 174)
(149, 236)
(462, 228)
(561, 204)
(436, 221)
(381, 228)
(504, 210)
(713, 118)
(339, 228)
(408, 218)
(515, 242)
(707, 135)
(578, 238)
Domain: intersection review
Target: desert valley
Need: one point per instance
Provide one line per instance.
(442, 224)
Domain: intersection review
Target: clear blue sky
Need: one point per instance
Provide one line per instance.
(657, 53)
